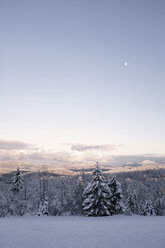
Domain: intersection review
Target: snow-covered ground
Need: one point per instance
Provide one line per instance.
(82, 232)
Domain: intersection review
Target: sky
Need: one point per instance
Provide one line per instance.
(79, 73)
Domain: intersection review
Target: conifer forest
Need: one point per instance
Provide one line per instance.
(88, 194)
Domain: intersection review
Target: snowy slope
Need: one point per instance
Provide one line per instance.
(82, 232)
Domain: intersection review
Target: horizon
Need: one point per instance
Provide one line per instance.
(72, 155)
(82, 81)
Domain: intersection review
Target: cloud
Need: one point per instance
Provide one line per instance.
(14, 145)
(60, 157)
(68, 159)
(37, 156)
(72, 155)
(104, 147)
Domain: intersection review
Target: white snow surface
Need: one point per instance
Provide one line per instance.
(82, 232)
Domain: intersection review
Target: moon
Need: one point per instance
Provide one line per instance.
(126, 64)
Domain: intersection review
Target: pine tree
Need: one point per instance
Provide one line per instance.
(132, 204)
(17, 184)
(159, 207)
(146, 208)
(97, 194)
(116, 205)
(16, 203)
(43, 206)
(55, 206)
(78, 198)
(3, 205)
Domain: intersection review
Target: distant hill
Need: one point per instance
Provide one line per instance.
(9, 166)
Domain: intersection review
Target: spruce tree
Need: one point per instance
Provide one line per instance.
(78, 197)
(55, 206)
(43, 205)
(116, 205)
(132, 204)
(17, 184)
(3, 205)
(159, 207)
(16, 203)
(146, 208)
(97, 195)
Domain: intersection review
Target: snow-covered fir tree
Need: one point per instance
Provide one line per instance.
(55, 206)
(146, 208)
(16, 201)
(17, 184)
(78, 197)
(97, 195)
(131, 204)
(43, 205)
(22, 195)
(159, 207)
(116, 205)
(3, 205)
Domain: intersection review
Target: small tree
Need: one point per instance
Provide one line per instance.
(159, 207)
(132, 204)
(43, 206)
(146, 208)
(97, 195)
(3, 205)
(16, 203)
(116, 205)
(17, 184)
(78, 197)
(55, 206)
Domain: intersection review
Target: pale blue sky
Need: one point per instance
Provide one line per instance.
(63, 77)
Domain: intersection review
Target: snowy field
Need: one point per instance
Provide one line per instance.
(82, 232)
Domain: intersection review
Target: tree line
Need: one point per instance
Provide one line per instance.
(91, 195)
